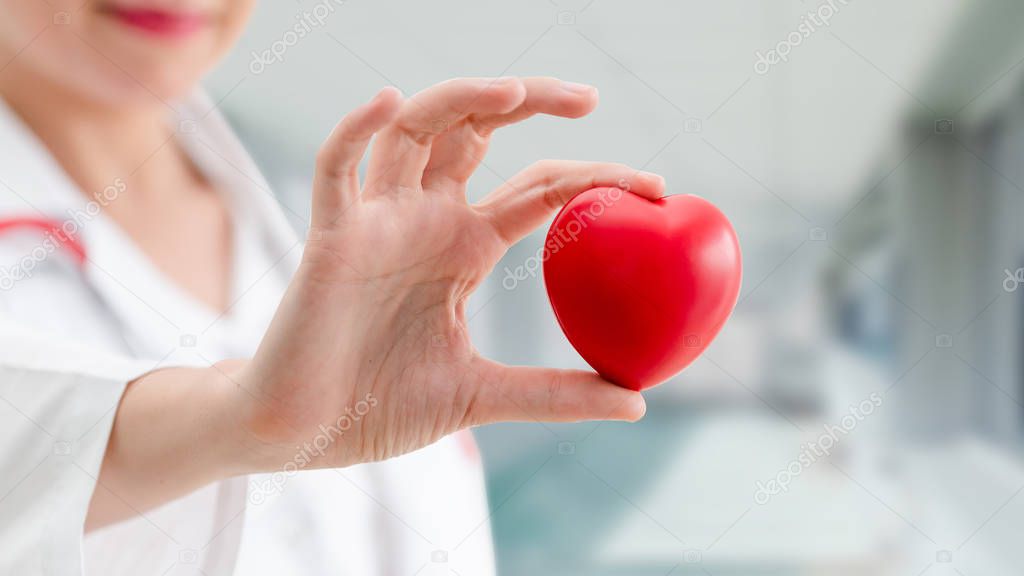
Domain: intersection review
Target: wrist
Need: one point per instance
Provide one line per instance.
(241, 446)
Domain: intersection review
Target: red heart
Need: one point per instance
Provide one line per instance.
(641, 287)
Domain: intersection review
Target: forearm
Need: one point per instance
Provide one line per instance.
(175, 431)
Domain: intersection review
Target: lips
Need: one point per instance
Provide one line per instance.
(159, 22)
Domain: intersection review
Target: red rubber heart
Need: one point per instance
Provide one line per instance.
(641, 287)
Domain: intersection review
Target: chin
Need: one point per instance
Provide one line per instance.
(150, 85)
(147, 68)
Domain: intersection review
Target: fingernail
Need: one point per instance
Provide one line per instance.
(576, 88)
(387, 89)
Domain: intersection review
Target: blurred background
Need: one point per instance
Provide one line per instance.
(861, 413)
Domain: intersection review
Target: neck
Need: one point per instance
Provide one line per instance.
(95, 142)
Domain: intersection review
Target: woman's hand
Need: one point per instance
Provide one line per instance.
(369, 354)
(370, 345)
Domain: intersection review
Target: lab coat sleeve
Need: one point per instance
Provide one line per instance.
(57, 406)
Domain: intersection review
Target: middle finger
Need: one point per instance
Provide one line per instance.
(402, 150)
(457, 153)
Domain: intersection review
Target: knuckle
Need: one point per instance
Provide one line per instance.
(557, 401)
(341, 150)
(343, 129)
(325, 160)
(330, 164)
(555, 196)
(324, 156)
(421, 139)
(545, 172)
(545, 176)
(480, 129)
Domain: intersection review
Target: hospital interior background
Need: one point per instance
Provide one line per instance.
(862, 411)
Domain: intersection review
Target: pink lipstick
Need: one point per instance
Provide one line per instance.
(163, 23)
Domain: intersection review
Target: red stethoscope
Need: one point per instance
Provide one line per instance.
(47, 226)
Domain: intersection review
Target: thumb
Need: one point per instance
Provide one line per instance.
(530, 197)
(517, 393)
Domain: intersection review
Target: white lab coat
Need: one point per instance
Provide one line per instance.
(72, 336)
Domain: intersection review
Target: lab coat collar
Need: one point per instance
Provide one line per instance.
(160, 320)
(32, 182)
